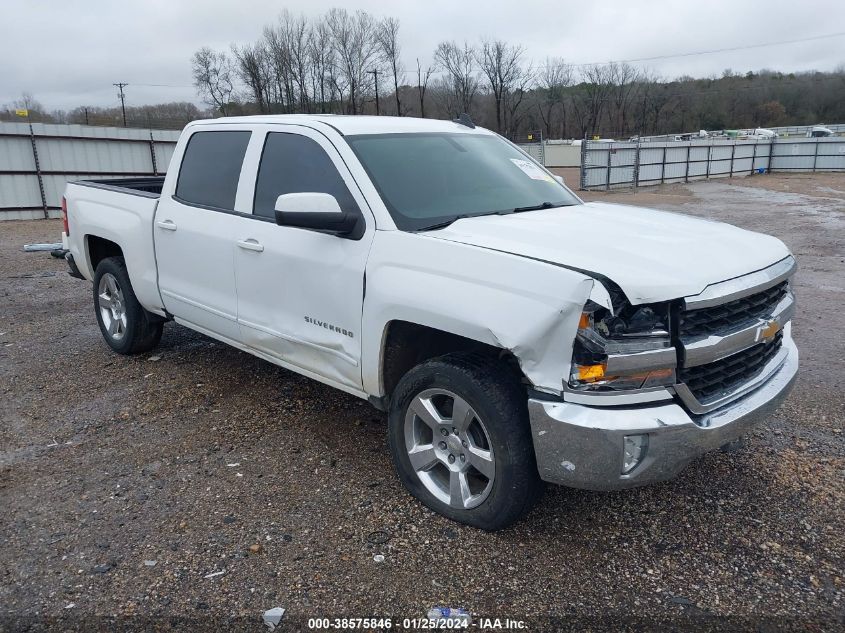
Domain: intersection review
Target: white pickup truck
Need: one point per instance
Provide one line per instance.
(514, 333)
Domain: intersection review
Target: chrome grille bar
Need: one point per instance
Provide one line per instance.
(730, 336)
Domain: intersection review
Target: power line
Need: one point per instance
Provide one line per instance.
(717, 50)
(686, 54)
(163, 86)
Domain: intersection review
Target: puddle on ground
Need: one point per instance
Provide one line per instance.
(828, 210)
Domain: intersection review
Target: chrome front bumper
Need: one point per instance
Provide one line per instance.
(582, 446)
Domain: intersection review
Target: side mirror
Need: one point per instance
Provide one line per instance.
(558, 178)
(316, 211)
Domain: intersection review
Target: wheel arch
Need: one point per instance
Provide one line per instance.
(98, 248)
(406, 344)
(139, 260)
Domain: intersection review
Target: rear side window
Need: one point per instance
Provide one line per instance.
(211, 168)
(291, 163)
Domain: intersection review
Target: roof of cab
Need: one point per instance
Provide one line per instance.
(353, 124)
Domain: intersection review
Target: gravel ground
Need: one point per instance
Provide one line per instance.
(126, 484)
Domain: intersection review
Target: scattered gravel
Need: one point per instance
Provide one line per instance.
(249, 487)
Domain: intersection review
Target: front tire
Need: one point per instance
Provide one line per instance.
(125, 325)
(461, 441)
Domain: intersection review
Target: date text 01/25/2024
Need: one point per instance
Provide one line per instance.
(415, 624)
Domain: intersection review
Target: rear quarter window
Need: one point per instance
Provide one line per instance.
(211, 167)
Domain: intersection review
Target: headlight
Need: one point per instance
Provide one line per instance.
(628, 350)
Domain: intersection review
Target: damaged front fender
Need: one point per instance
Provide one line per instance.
(528, 307)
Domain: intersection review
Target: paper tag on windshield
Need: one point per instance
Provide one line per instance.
(531, 170)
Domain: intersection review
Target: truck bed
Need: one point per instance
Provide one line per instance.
(148, 186)
(120, 211)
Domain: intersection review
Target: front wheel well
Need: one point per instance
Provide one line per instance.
(406, 345)
(99, 248)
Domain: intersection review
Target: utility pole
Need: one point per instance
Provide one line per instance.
(120, 87)
(374, 72)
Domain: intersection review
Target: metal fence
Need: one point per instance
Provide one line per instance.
(556, 153)
(38, 159)
(614, 165)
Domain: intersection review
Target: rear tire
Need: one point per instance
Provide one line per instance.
(125, 325)
(461, 441)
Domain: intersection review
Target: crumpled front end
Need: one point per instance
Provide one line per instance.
(601, 448)
(726, 358)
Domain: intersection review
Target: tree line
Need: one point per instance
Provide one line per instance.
(351, 63)
(345, 62)
(159, 116)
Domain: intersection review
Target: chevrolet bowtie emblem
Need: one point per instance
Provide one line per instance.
(768, 330)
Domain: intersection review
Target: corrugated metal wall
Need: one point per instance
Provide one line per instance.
(30, 189)
(610, 165)
(554, 153)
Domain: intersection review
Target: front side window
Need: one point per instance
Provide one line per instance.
(426, 180)
(211, 168)
(292, 163)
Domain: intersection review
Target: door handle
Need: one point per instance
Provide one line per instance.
(167, 225)
(251, 245)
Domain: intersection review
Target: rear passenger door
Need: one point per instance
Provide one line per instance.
(194, 232)
(300, 292)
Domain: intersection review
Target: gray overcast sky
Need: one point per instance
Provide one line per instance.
(69, 52)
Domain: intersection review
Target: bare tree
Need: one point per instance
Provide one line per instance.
(297, 31)
(423, 77)
(287, 44)
(252, 69)
(501, 64)
(35, 111)
(279, 83)
(554, 79)
(213, 77)
(388, 40)
(356, 50)
(321, 57)
(513, 101)
(461, 81)
(623, 80)
(590, 101)
(27, 102)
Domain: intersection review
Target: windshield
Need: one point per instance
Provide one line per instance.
(429, 180)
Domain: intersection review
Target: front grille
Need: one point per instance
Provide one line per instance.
(709, 382)
(732, 315)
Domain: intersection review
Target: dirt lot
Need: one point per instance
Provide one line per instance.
(125, 483)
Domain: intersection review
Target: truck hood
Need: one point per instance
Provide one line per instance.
(652, 255)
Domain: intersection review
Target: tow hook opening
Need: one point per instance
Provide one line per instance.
(634, 451)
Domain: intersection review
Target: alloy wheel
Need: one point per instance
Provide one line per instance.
(449, 448)
(112, 306)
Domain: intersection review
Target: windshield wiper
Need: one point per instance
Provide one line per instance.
(444, 223)
(536, 207)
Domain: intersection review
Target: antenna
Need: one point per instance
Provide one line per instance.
(464, 119)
